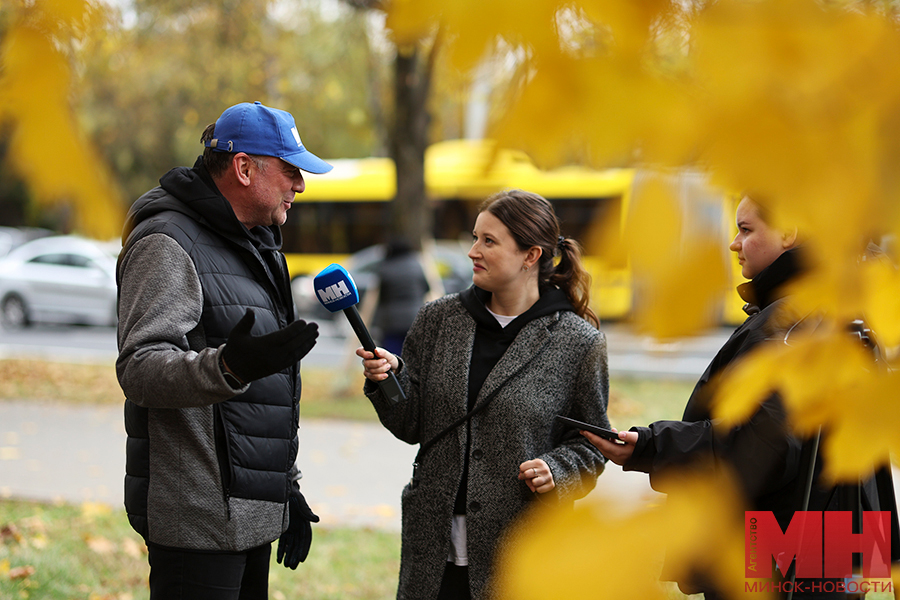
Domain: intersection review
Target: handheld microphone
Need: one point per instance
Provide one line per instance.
(336, 290)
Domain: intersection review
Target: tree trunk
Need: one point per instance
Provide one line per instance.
(411, 214)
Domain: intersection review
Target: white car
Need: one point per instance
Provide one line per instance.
(10, 237)
(58, 279)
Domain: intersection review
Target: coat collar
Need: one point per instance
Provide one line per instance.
(767, 286)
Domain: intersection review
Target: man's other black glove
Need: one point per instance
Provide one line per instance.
(293, 545)
(251, 357)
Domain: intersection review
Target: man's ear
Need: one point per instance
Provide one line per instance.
(241, 166)
(789, 239)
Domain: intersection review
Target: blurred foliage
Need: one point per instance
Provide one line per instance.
(793, 101)
(598, 550)
(46, 146)
(122, 92)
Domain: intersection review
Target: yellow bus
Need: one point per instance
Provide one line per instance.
(346, 210)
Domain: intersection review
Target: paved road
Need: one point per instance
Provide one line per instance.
(629, 354)
(353, 472)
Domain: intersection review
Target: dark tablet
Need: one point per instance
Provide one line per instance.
(607, 434)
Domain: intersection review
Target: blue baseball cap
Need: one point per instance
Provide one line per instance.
(257, 129)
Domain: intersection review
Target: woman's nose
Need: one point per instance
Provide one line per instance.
(735, 245)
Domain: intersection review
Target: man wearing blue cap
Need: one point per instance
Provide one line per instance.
(209, 353)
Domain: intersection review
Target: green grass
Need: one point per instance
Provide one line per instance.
(63, 552)
(327, 393)
(66, 552)
(642, 401)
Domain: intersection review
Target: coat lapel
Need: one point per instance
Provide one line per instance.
(522, 351)
(459, 332)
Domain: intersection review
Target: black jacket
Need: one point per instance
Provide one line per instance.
(764, 453)
(770, 462)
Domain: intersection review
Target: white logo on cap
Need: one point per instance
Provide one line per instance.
(296, 137)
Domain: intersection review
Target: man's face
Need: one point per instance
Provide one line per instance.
(273, 187)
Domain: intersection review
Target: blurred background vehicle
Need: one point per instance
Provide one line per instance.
(58, 279)
(10, 237)
(449, 259)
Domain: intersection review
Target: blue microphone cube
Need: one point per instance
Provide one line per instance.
(335, 288)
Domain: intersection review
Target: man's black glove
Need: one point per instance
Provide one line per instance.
(293, 545)
(251, 357)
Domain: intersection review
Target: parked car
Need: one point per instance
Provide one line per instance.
(58, 279)
(453, 265)
(11, 237)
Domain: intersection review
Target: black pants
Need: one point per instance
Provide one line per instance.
(455, 584)
(177, 574)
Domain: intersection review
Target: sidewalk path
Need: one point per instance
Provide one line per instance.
(353, 472)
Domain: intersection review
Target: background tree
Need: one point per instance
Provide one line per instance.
(147, 107)
(409, 132)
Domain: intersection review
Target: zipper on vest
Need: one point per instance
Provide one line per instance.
(223, 457)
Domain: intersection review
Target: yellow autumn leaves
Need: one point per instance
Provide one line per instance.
(596, 551)
(46, 143)
(795, 101)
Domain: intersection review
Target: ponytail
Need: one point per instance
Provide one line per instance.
(571, 277)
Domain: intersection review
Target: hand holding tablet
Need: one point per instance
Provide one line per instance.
(606, 434)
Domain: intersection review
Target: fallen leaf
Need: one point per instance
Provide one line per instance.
(94, 509)
(21, 572)
(133, 548)
(10, 533)
(100, 545)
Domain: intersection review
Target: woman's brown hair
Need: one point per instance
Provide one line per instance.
(532, 221)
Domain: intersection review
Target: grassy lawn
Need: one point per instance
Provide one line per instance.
(63, 552)
(325, 393)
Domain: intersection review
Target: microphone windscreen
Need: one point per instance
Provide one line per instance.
(335, 288)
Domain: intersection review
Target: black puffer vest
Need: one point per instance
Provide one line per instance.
(256, 432)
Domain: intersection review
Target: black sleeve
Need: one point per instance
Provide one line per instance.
(763, 454)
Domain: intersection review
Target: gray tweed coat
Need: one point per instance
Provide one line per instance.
(565, 372)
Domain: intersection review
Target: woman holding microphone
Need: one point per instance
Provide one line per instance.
(485, 371)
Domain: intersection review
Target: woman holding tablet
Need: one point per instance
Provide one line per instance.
(771, 464)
